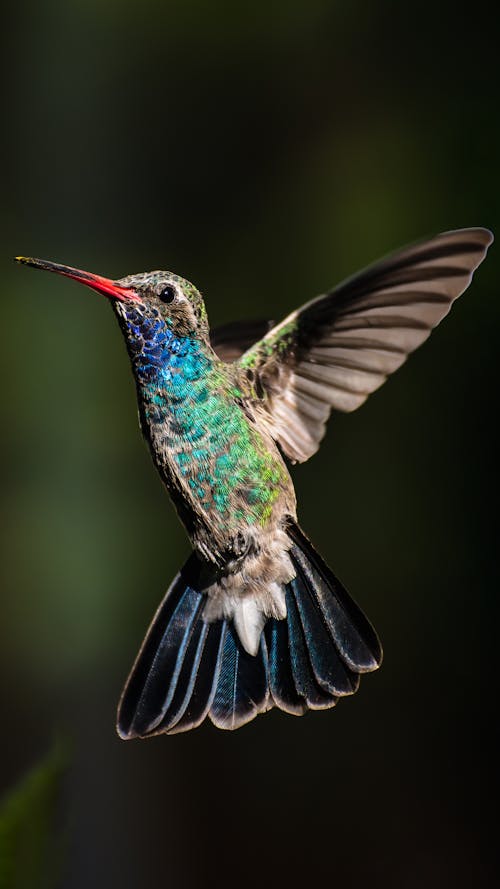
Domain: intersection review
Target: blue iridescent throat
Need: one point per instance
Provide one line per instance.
(159, 356)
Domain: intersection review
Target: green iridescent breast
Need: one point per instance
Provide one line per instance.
(222, 456)
(196, 425)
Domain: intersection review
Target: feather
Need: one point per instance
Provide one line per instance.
(204, 678)
(249, 621)
(189, 668)
(329, 671)
(242, 686)
(303, 676)
(281, 684)
(153, 679)
(339, 348)
(186, 678)
(353, 635)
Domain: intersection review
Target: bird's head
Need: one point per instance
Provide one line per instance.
(148, 295)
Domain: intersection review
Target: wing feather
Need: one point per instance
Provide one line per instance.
(339, 348)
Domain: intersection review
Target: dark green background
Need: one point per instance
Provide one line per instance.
(263, 151)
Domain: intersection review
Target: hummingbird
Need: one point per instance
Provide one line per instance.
(256, 619)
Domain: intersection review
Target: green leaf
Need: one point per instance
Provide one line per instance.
(30, 835)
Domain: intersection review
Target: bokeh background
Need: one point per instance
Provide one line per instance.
(263, 151)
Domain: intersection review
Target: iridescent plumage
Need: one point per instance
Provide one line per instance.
(226, 476)
(255, 618)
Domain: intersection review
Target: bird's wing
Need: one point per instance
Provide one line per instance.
(337, 349)
(231, 340)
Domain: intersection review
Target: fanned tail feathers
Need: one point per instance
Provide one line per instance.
(188, 669)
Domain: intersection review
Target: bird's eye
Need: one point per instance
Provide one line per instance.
(168, 294)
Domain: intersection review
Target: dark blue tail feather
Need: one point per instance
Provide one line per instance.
(153, 680)
(328, 669)
(353, 635)
(281, 683)
(242, 689)
(183, 682)
(188, 669)
(302, 671)
(201, 690)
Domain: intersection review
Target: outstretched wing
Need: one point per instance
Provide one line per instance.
(337, 349)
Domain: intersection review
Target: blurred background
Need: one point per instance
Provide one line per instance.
(263, 151)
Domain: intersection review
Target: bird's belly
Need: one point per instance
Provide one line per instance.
(234, 479)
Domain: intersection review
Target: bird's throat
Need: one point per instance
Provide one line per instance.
(160, 357)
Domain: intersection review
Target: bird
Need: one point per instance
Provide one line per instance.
(255, 618)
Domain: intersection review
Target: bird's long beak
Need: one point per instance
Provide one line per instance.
(102, 285)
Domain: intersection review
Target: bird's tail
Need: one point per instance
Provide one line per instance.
(188, 669)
